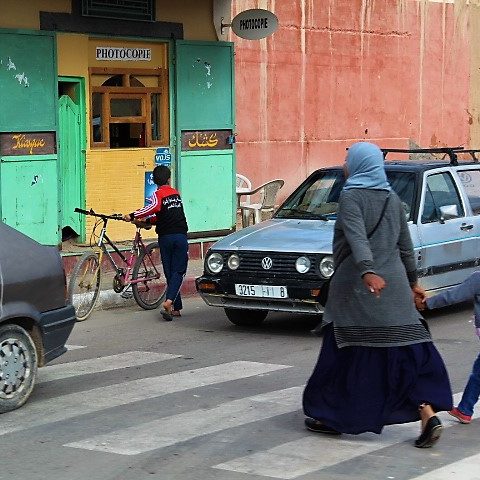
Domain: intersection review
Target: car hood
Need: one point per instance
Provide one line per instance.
(282, 235)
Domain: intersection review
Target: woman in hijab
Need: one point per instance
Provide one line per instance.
(377, 365)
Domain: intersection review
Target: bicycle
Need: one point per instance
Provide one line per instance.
(140, 270)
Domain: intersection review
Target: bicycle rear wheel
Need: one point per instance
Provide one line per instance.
(150, 291)
(84, 285)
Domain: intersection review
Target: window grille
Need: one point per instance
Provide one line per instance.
(120, 9)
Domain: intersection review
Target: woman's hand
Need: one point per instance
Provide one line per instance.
(419, 297)
(375, 283)
(127, 218)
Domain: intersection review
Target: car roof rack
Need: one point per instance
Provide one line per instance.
(450, 151)
(472, 153)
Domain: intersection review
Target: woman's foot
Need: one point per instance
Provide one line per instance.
(431, 427)
(176, 313)
(319, 427)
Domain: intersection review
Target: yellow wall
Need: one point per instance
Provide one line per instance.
(114, 178)
(474, 108)
(115, 184)
(195, 15)
(16, 14)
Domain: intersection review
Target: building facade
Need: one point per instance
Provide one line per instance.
(397, 72)
(94, 95)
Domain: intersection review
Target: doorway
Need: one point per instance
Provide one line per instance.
(71, 156)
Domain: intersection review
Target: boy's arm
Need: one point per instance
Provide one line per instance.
(469, 290)
(149, 210)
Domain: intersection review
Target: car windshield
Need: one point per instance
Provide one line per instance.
(317, 198)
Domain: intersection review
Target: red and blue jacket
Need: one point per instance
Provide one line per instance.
(165, 210)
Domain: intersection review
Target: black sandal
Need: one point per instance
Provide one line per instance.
(167, 316)
(319, 427)
(431, 433)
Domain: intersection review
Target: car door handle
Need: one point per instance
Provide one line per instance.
(466, 227)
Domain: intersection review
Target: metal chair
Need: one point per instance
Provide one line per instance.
(268, 194)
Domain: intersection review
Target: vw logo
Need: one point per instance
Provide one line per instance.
(267, 263)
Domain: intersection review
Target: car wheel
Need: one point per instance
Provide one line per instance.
(246, 318)
(18, 367)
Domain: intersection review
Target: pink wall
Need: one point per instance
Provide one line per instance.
(389, 71)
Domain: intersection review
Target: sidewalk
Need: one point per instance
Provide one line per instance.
(108, 298)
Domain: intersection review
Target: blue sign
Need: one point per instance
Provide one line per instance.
(150, 186)
(163, 156)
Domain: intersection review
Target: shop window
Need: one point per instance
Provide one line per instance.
(129, 109)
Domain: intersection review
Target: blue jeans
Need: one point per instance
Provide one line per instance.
(472, 390)
(174, 253)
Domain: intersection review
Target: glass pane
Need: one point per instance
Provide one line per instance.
(97, 101)
(471, 183)
(156, 118)
(404, 185)
(127, 135)
(315, 199)
(441, 191)
(125, 107)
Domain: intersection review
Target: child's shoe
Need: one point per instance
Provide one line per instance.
(461, 417)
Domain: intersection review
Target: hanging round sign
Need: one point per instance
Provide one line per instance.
(254, 24)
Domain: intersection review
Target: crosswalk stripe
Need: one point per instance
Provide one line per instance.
(75, 347)
(466, 469)
(101, 364)
(300, 457)
(185, 426)
(68, 406)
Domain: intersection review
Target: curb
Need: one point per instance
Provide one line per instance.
(108, 299)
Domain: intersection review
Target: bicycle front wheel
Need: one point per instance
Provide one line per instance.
(84, 285)
(150, 287)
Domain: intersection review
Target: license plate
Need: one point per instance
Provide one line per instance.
(268, 291)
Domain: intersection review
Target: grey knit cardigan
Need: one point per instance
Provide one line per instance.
(358, 317)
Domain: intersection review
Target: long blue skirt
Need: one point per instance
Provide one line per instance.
(362, 389)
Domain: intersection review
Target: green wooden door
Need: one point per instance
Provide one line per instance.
(205, 107)
(29, 197)
(70, 163)
(28, 134)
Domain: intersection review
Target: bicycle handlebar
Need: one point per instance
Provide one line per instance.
(114, 216)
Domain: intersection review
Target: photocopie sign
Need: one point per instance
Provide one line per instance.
(254, 24)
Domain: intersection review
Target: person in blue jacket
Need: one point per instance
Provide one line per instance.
(469, 290)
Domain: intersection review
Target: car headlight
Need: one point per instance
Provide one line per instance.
(325, 266)
(214, 263)
(233, 261)
(303, 264)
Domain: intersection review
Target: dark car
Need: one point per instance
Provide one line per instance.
(282, 264)
(35, 319)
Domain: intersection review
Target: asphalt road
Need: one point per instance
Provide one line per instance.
(199, 398)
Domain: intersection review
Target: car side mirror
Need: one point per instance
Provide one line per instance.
(447, 212)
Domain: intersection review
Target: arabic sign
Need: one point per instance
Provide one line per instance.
(39, 143)
(123, 54)
(255, 24)
(163, 156)
(206, 140)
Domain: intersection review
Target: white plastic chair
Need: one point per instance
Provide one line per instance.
(268, 194)
(244, 185)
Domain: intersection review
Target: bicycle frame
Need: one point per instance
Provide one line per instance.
(136, 270)
(137, 246)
